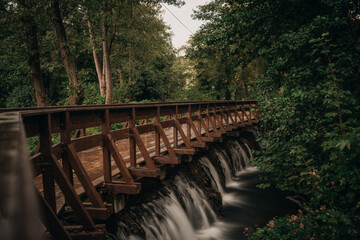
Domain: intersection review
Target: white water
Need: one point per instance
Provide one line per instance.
(186, 214)
(167, 218)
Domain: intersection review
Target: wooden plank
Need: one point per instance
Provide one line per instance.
(123, 188)
(101, 214)
(84, 143)
(119, 134)
(119, 161)
(145, 172)
(207, 139)
(198, 144)
(50, 220)
(145, 128)
(184, 151)
(166, 160)
(84, 179)
(71, 196)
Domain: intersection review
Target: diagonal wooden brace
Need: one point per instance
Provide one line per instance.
(125, 173)
(84, 178)
(50, 220)
(182, 134)
(71, 196)
(149, 162)
(166, 141)
(197, 134)
(207, 132)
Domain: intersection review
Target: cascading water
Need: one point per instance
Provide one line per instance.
(185, 211)
(167, 218)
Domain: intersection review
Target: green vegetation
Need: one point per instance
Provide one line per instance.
(86, 52)
(301, 60)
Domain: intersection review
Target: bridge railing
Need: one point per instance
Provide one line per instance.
(175, 130)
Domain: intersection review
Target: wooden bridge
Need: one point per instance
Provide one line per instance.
(89, 156)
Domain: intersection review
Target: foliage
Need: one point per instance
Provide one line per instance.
(141, 54)
(319, 224)
(308, 95)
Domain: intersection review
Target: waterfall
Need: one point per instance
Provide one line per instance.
(225, 166)
(212, 173)
(167, 218)
(184, 211)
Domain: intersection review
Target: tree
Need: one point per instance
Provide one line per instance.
(76, 96)
(309, 101)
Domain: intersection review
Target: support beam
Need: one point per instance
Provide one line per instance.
(71, 196)
(84, 179)
(119, 161)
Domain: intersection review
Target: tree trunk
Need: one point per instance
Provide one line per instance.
(131, 52)
(65, 53)
(107, 67)
(34, 60)
(97, 62)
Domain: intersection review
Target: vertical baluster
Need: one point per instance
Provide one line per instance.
(175, 131)
(105, 128)
(157, 134)
(45, 149)
(188, 114)
(199, 116)
(132, 145)
(65, 138)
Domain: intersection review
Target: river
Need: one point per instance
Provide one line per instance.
(184, 211)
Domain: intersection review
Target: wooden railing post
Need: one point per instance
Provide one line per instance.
(132, 144)
(188, 114)
(157, 134)
(45, 149)
(175, 131)
(243, 112)
(207, 116)
(199, 116)
(236, 115)
(65, 139)
(105, 129)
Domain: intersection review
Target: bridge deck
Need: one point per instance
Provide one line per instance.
(90, 171)
(92, 160)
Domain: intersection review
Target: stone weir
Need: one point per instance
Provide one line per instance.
(191, 198)
(91, 161)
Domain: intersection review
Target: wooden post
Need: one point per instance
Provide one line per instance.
(207, 116)
(188, 114)
(199, 116)
(65, 139)
(243, 112)
(132, 144)
(45, 149)
(105, 129)
(157, 134)
(175, 132)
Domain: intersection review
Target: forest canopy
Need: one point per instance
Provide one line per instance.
(301, 61)
(85, 52)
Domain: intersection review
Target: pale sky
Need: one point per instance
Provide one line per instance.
(181, 34)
